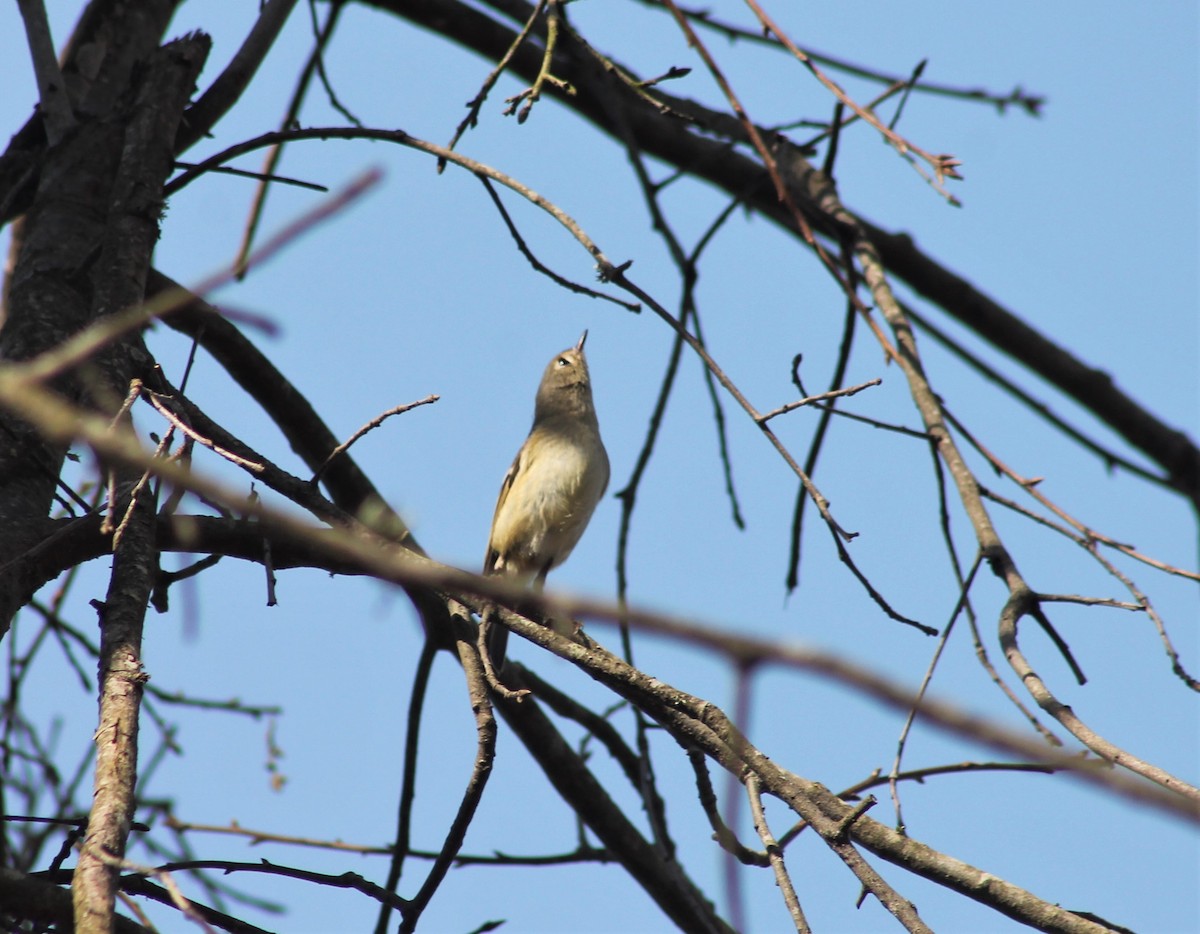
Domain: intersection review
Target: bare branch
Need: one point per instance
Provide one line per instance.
(476, 103)
(1031, 104)
(224, 92)
(371, 426)
(56, 107)
(820, 397)
(126, 251)
(782, 879)
(481, 770)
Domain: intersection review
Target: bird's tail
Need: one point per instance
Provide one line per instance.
(495, 640)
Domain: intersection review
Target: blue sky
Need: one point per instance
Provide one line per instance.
(1083, 222)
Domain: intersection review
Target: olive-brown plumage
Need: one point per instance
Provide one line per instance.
(553, 485)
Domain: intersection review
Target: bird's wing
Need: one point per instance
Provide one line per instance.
(489, 560)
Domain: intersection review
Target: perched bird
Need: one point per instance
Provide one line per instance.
(552, 487)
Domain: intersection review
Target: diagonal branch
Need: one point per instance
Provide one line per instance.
(224, 92)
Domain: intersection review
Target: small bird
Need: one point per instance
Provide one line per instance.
(552, 487)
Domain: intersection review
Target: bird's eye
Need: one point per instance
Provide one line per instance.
(563, 361)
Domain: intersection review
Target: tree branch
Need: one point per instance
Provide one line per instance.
(224, 92)
(52, 90)
(129, 241)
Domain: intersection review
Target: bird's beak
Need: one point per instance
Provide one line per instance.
(582, 338)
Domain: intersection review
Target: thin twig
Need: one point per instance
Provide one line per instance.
(485, 752)
(177, 897)
(408, 781)
(370, 426)
(1110, 458)
(943, 166)
(122, 415)
(775, 854)
(471, 120)
(260, 176)
(1030, 486)
(275, 154)
(901, 742)
(725, 837)
(1022, 604)
(1090, 601)
(255, 837)
(158, 401)
(538, 264)
(820, 397)
(136, 492)
(544, 76)
(323, 34)
(1031, 104)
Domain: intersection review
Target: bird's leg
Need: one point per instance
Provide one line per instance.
(569, 628)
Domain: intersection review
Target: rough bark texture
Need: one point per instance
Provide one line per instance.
(52, 286)
(129, 235)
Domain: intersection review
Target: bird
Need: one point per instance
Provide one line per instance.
(552, 488)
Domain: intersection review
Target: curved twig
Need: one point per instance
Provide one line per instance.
(485, 726)
(408, 784)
